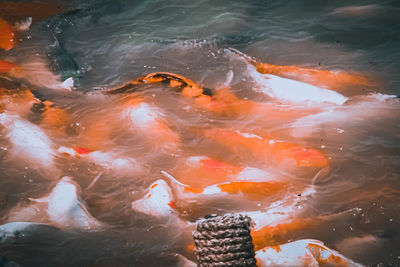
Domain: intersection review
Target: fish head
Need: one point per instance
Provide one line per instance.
(157, 202)
(63, 197)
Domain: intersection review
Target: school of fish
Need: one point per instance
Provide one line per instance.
(312, 93)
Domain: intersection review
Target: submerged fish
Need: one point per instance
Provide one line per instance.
(6, 66)
(360, 110)
(137, 116)
(181, 84)
(255, 190)
(158, 202)
(17, 101)
(108, 160)
(220, 101)
(62, 207)
(29, 142)
(274, 151)
(300, 85)
(305, 252)
(66, 208)
(54, 118)
(149, 120)
(201, 171)
(7, 36)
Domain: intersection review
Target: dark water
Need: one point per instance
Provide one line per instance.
(104, 44)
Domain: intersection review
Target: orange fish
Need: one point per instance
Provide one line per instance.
(273, 150)
(250, 189)
(272, 235)
(149, 119)
(335, 80)
(204, 171)
(304, 252)
(55, 118)
(7, 37)
(137, 116)
(220, 101)
(6, 66)
(182, 84)
(17, 101)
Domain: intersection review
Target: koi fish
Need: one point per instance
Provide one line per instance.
(327, 79)
(294, 91)
(7, 36)
(63, 207)
(305, 252)
(158, 202)
(361, 109)
(29, 142)
(203, 171)
(279, 223)
(54, 118)
(250, 189)
(148, 119)
(182, 84)
(6, 66)
(273, 150)
(220, 101)
(17, 101)
(66, 208)
(108, 160)
(279, 212)
(356, 11)
(271, 234)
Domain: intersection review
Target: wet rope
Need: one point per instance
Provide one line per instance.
(224, 241)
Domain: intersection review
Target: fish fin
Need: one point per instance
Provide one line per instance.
(173, 179)
(39, 200)
(249, 59)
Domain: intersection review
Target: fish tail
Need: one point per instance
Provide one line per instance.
(249, 59)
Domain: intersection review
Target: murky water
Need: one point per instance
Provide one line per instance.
(105, 44)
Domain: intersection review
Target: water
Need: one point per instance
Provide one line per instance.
(107, 44)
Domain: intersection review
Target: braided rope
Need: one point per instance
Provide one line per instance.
(224, 241)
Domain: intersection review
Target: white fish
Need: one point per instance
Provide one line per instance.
(23, 25)
(62, 207)
(182, 261)
(356, 11)
(360, 110)
(68, 84)
(142, 115)
(257, 189)
(246, 174)
(306, 252)
(281, 211)
(66, 208)
(158, 201)
(150, 120)
(292, 91)
(108, 160)
(287, 90)
(29, 142)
